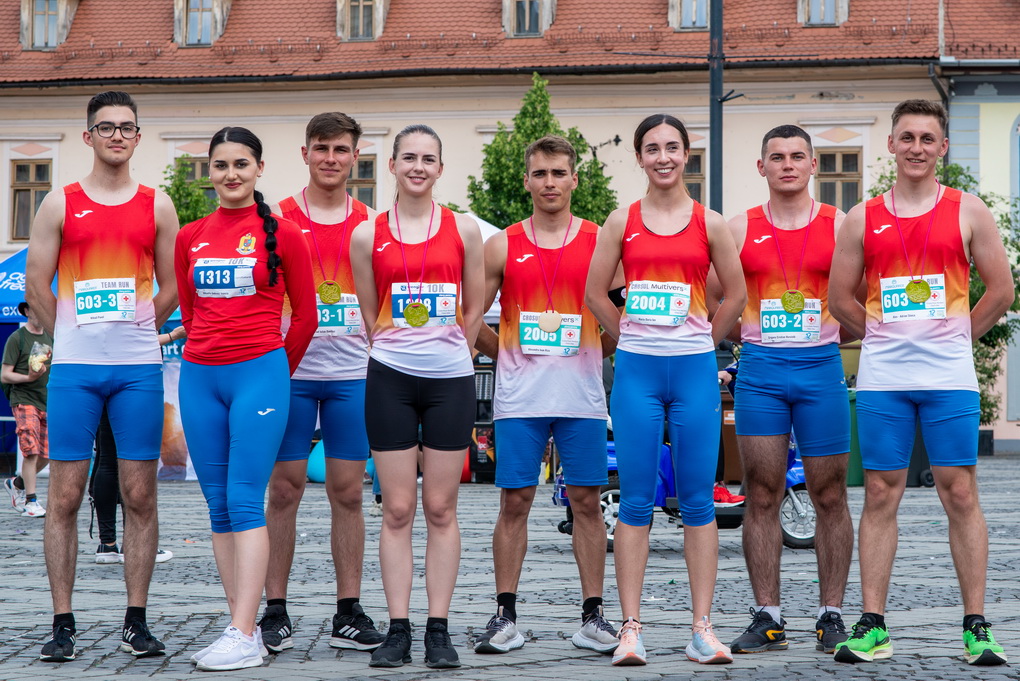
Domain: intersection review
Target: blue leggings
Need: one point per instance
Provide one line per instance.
(684, 390)
(234, 416)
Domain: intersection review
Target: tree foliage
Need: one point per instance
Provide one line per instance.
(499, 196)
(188, 195)
(990, 349)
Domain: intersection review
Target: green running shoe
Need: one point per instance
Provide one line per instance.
(980, 647)
(867, 642)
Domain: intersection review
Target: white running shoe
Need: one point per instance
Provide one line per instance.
(631, 650)
(501, 635)
(232, 651)
(704, 647)
(33, 509)
(597, 634)
(204, 651)
(17, 495)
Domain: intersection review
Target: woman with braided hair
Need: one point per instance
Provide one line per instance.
(233, 268)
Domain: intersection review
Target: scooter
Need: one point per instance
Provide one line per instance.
(796, 513)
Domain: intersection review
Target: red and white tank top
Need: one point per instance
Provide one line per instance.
(339, 349)
(665, 312)
(764, 321)
(910, 345)
(439, 348)
(543, 373)
(104, 281)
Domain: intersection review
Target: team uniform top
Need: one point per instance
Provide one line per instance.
(540, 374)
(339, 349)
(439, 348)
(231, 312)
(665, 312)
(105, 313)
(764, 321)
(907, 345)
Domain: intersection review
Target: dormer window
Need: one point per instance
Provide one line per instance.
(688, 15)
(45, 23)
(360, 19)
(823, 12)
(528, 18)
(199, 23)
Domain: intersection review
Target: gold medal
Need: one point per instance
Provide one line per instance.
(793, 301)
(329, 292)
(549, 321)
(918, 290)
(416, 314)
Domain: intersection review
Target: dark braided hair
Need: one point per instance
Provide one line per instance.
(247, 138)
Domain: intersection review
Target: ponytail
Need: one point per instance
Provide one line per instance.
(269, 224)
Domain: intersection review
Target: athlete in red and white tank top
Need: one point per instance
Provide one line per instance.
(777, 260)
(916, 345)
(339, 349)
(665, 312)
(105, 313)
(541, 373)
(432, 278)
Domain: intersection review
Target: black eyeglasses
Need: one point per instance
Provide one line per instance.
(127, 131)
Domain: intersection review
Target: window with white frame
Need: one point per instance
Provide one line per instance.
(823, 12)
(360, 19)
(527, 18)
(199, 23)
(361, 12)
(45, 23)
(839, 178)
(361, 183)
(688, 14)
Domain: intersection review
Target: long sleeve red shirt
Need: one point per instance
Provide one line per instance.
(229, 309)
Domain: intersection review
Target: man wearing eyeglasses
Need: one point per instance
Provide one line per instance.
(105, 238)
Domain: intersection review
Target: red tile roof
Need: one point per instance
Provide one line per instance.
(292, 39)
(982, 29)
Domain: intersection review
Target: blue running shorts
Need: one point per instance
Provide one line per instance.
(521, 442)
(339, 407)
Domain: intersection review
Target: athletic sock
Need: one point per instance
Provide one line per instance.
(282, 602)
(774, 611)
(878, 619)
(829, 608)
(589, 607)
(345, 607)
(508, 601)
(971, 620)
(437, 621)
(65, 618)
(403, 622)
(29, 498)
(19, 482)
(133, 614)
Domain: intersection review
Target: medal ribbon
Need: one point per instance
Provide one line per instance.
(343, 235)
(403, 256)
(538, 254)
(931, 221)
(803, 248)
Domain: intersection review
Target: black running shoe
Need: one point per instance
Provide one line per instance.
(60, 647)
(439, 650)
(139, 641)
(355, 632)
(276, 629)
(830, 631)
(761, 635)
(395, 650)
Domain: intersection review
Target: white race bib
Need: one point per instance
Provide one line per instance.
(564, 341)
(897, 306)
(224, 277)
(341, 319)
(659, 303)
(439, 299)
(780, 326)
(104, 300)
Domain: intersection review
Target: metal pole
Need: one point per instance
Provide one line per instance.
(715, 106)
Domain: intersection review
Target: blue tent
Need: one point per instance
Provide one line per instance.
(12, 288)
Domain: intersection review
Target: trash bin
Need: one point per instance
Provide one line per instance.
(855, 468)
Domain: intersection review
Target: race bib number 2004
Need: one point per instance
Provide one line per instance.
(659, 303)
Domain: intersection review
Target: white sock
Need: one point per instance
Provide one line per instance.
(774, 611)
(829, 608)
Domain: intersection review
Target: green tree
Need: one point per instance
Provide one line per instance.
(990, 349)
(188, 196)
(499, 196)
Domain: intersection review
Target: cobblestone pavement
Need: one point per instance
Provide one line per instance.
(187, 606)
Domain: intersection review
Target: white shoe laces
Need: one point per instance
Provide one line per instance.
(704, 630)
